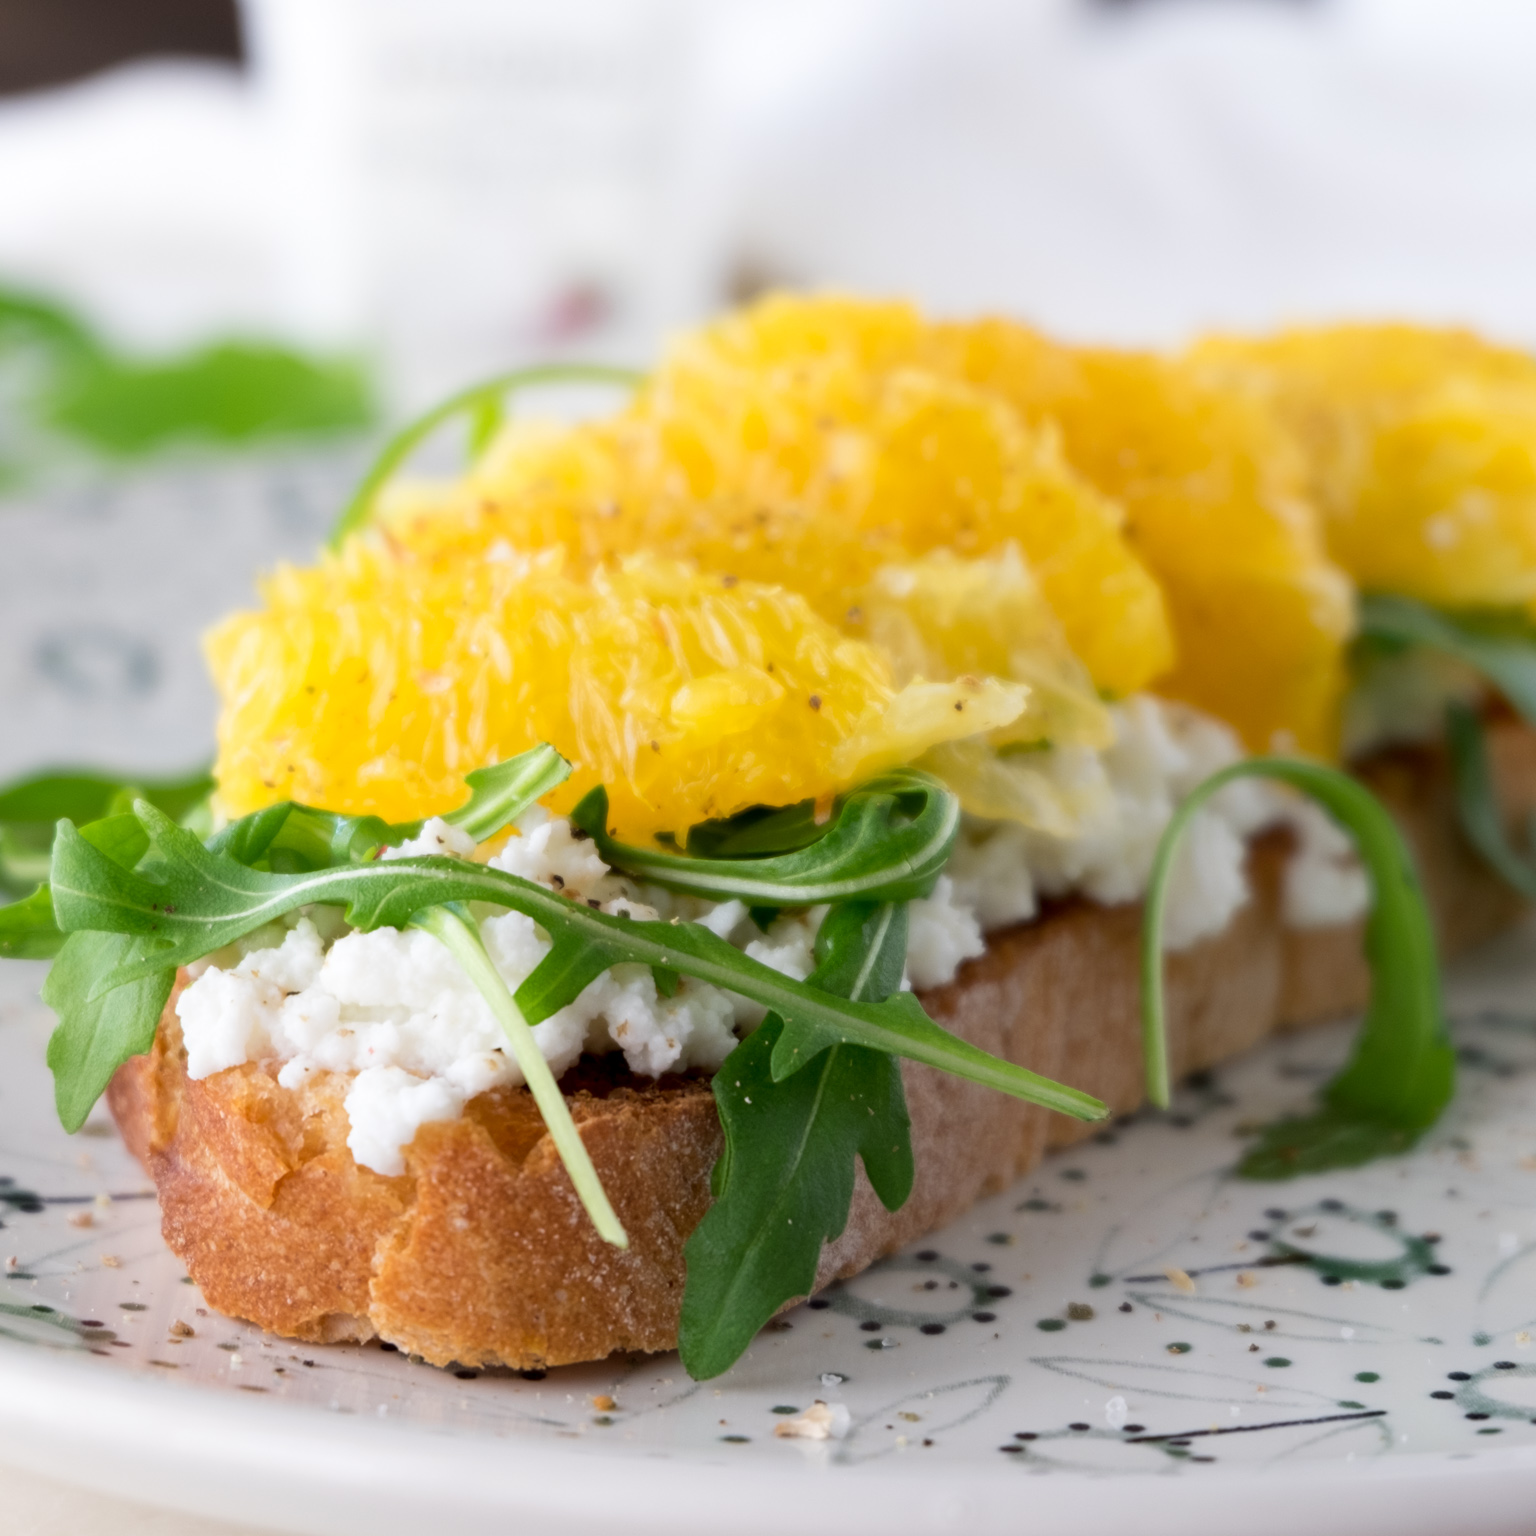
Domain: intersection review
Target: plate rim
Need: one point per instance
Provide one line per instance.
(292, 1467)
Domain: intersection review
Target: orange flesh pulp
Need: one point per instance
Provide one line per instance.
(829, 536)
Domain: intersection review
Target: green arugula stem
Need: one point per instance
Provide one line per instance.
(1402, 1071)
(461, 938)
(481, 402)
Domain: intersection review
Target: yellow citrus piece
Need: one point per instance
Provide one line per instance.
(813, 472)
(1423, 450)
(1217, 506)
(1003, 786)
(374, 681)
(874, 335)
(943, 617)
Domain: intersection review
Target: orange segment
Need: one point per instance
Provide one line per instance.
(1217, 505)
(793, 444)
(374, 682)
(1423, 450)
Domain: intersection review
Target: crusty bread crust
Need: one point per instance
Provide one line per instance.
(480, 1253)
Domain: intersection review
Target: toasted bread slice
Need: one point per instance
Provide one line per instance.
(481, 1254)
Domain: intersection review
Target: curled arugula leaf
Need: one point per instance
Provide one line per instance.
(291, 838)
(1477, 800)
(1403, 1070)
(500, 794)
(483, 404)
(1501, 646)
(784, 1183)
(888, 840)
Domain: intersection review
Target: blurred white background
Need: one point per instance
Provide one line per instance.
(448, 188)
(457, 185)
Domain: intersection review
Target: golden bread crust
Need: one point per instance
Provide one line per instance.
(480, 1253)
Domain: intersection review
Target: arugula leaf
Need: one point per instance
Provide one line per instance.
(1477, 799)
(292, 838)
(97, 1034)
(888, 841)
(229, 392)
(482, 403)
(1402, 1071)
(27, 928)
(762, 829)
(87, 796)
(1502, 646)
(500, 794)
(29, 808)
(456, 930)
(784, 1183)
(195, 902)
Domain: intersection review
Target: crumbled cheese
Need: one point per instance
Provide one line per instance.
(1160, 752)
(788, 947)
(393, 1010)
(941, 936)
(394, 1007)
(387, 1106)
(550, 852)
(1325, 883)
(821, 1421)
(436, 837)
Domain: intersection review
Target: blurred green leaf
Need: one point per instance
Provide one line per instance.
(232, 392)
(66, 381)
(30, 807)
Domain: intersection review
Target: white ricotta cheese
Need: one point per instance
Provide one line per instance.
(1160, 752)
(941, 936)
(436, 837)
(1325, 883)
(393, 1010)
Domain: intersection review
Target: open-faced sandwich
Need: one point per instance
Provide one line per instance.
(707, 846)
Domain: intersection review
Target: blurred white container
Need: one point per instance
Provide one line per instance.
(467, 184)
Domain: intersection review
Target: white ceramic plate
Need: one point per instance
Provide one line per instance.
(1351, 1352)
(1349, 1413)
